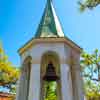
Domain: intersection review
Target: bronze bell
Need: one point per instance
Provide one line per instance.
(50, 73)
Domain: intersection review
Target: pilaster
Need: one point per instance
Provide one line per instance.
(66, 83)
(34, 90)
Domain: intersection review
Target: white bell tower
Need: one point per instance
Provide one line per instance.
(50, 58)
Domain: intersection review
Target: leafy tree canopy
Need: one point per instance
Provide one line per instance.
(8, 73)
(88, 4)
(90, 64)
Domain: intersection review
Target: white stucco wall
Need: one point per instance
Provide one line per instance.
(34, 91)
(36, 53)
(66, 82)
(78, 76)
(38, 50)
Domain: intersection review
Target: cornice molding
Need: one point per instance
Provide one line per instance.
(46, 40)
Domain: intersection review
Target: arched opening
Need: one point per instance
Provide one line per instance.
(26, 69)
(50, 87)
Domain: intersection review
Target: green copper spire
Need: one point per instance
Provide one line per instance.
(49, 25)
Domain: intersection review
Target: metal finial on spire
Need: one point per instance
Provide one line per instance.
(49, 0)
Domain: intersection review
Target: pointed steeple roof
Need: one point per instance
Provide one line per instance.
(49, 25)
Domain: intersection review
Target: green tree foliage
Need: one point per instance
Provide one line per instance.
(8, 73)
(50, 88)
(88, 4)
(90, 64)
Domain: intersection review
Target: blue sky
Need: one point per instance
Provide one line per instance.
(19, 20)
